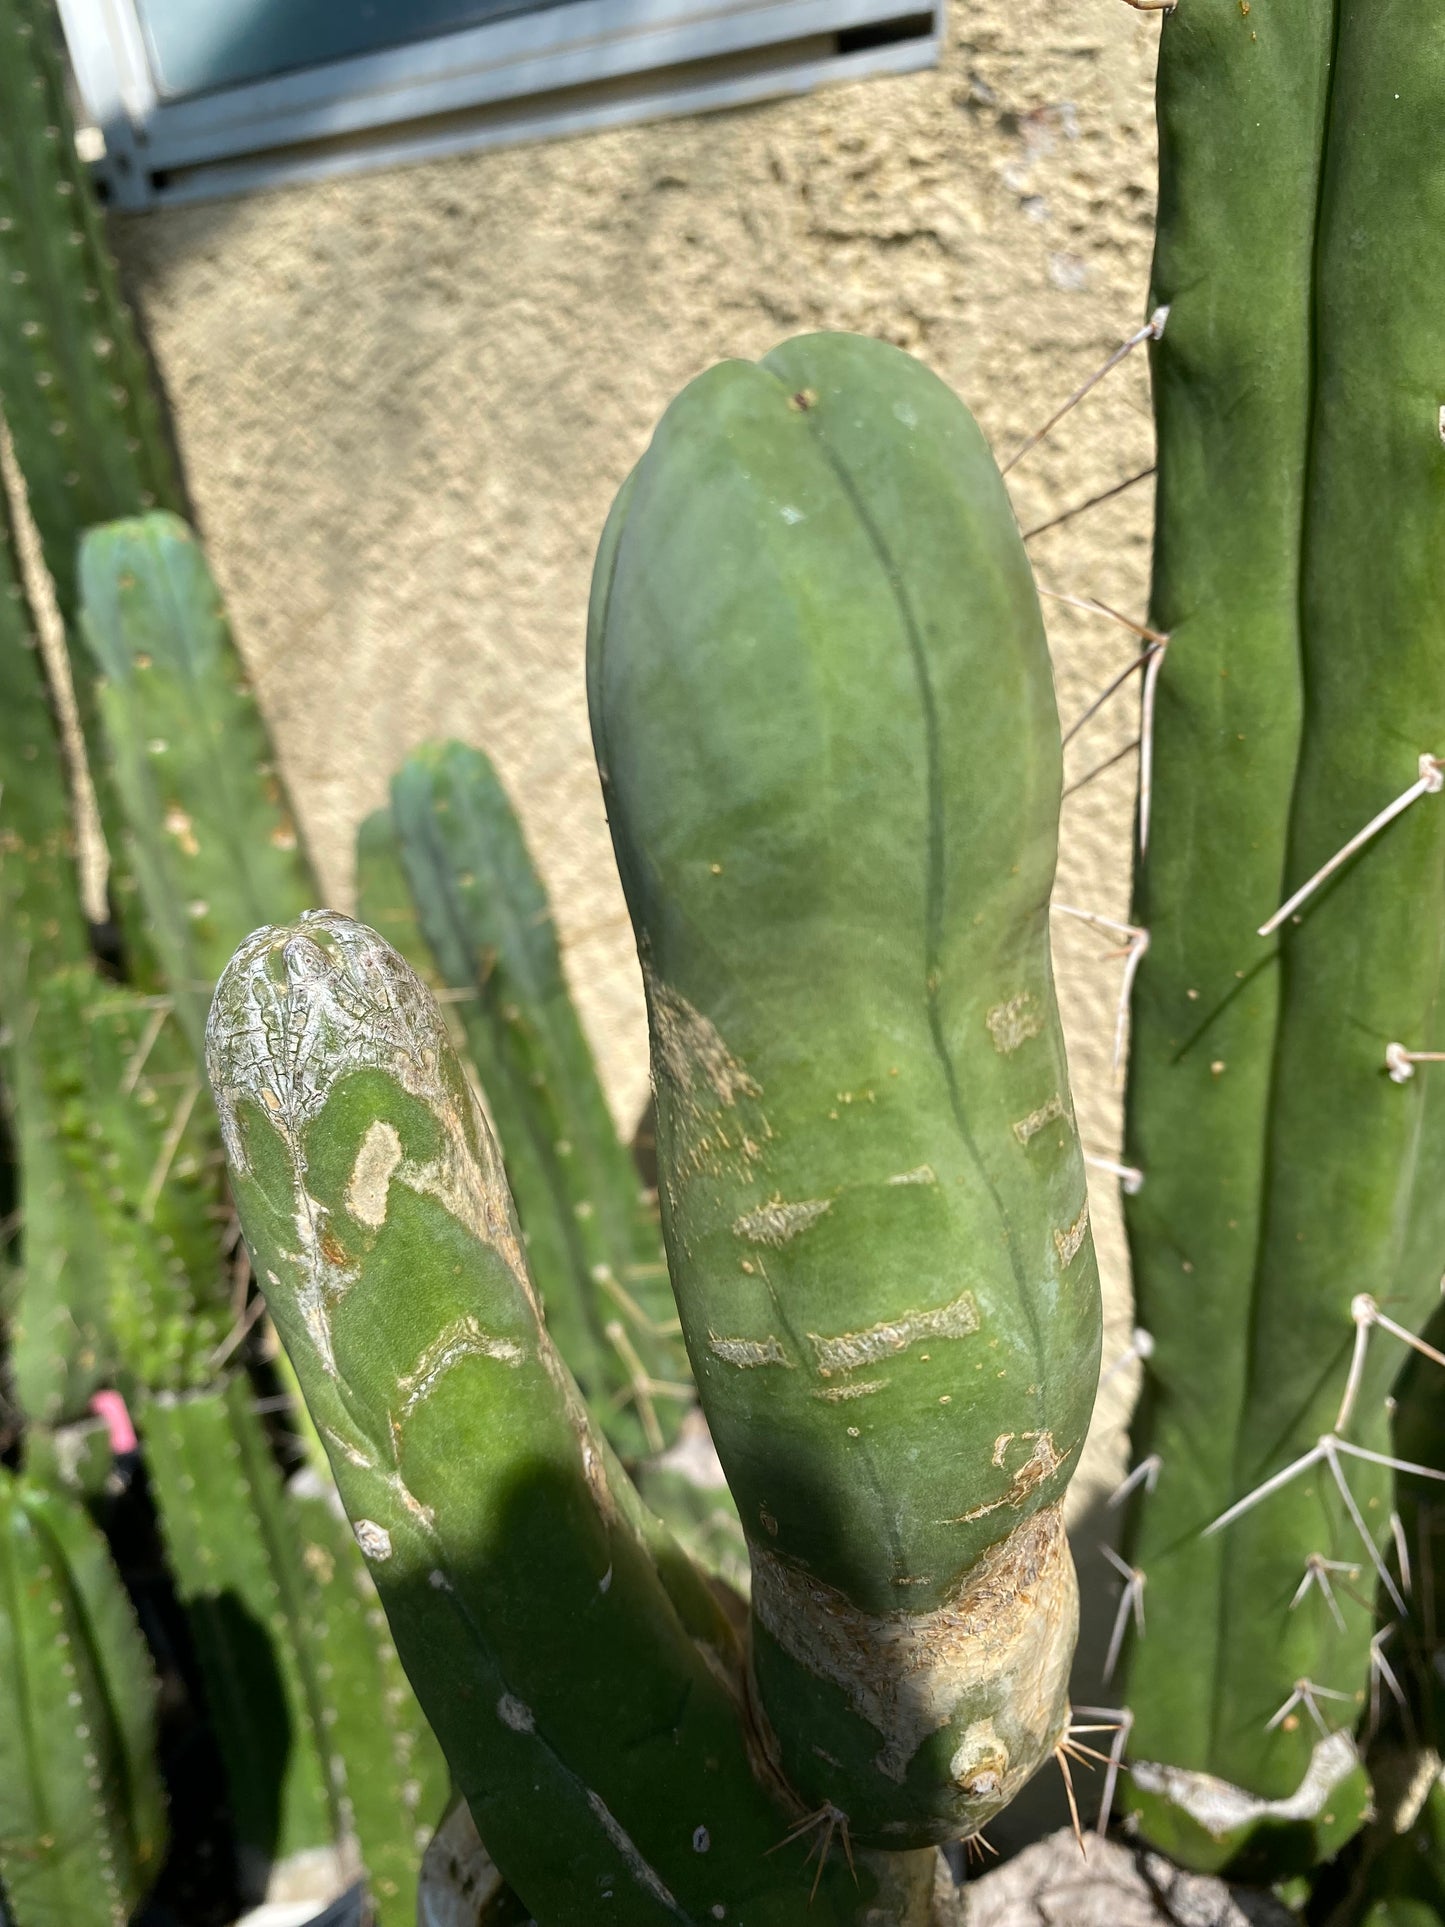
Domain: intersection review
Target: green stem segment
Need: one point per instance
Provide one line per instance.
(208, 829)
(498, 1527)
(1300, 571)
(823, 713)
(82, 1826)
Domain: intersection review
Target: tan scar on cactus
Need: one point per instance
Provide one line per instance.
(776, 1223)
(690, 1050)
(990, 1664)
(1013, 1022)
(1042, 1463)
(841, 1353)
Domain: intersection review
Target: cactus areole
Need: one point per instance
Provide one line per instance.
(823, 714)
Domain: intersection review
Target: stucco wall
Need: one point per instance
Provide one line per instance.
(405, 401)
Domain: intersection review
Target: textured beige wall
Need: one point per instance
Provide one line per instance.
(405, 401)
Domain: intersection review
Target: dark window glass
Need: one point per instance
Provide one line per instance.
(198, 45)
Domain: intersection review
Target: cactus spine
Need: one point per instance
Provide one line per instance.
(1299, 573)
(824, 718)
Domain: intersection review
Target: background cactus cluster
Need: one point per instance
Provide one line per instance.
(760, 1684)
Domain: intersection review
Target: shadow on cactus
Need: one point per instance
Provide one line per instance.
(825, 723)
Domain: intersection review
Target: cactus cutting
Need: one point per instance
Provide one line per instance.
(873, 1196)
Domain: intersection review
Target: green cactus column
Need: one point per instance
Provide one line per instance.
(577, 1670)
(1300, 571)
(82, 1827)
(208, 829)
(74, 385)
(56, 1337)
(75, 389)
(823, 714)
(40, 916)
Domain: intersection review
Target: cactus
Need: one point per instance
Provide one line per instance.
(334, 1746)
(121, 1212)
(76, 392)
(392, 1780)
(40, 914)
(825, 724)
(494, 1517)
(1300, 520)
(212, 841)
(599, 1267)
(59, 1344)
(320, 1739)
(592, 1236)
(81, 1814)
(238, 1572)
(122, 1279)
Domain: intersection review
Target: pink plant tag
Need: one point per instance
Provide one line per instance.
(111, 1407)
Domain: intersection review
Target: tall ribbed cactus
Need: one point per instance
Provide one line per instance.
(825, 724)
(280, 1612)
(1300, 575)
(122, 1281)
(82, 1825)
(60, 1343)
(76, 394)
(207, 829)
(78, 398)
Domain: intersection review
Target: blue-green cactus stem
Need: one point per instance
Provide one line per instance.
(41, 923)
(61, 1343)
(77, 394)
(238, 1571)
(75, 388)
(208, 829)
(395, 1782)
(143, 1158)
(823, 714)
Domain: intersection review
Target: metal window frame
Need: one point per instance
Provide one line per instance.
(583, 64)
